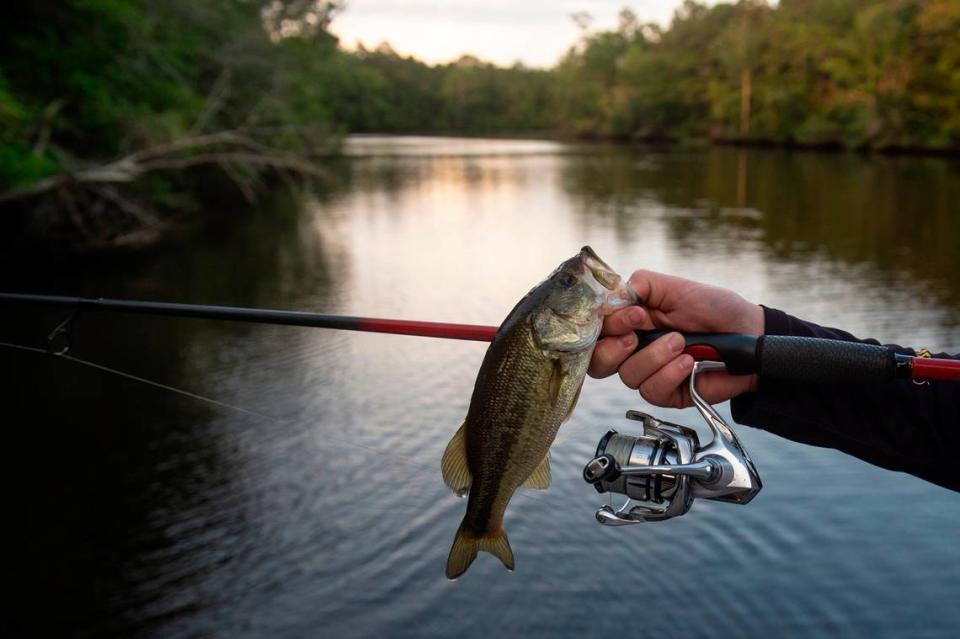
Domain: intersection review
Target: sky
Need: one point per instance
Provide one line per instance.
(535, 32)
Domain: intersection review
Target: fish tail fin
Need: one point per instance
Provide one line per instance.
(466, 545)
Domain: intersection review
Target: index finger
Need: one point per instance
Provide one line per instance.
(652, 288)
(627, 320)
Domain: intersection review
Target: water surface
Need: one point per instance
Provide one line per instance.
(310, 502)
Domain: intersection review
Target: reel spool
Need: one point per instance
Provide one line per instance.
(666, 467)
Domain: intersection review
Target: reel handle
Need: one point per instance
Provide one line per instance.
(786, 357)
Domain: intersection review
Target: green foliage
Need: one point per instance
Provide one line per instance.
(467, 96)
(86, 81)
(20, 167)
(19, 164)
(856, 73)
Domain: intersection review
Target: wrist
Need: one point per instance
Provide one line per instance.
(754, 319)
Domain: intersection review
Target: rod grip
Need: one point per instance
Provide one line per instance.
(813, 359)
(737, 351)
(808, 359)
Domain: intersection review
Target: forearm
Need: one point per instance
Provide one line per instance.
(900, 425)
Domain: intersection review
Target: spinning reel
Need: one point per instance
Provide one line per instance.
(665, 467)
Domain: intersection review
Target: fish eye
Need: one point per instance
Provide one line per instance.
(567, 279)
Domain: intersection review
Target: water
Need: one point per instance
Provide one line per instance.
(135, 511)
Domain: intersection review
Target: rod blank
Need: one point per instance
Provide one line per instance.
(472, 332)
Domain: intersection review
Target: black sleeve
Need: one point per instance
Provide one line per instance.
(914, 428)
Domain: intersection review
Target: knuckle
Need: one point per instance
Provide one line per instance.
(652, 391)
(662, 351)
(641, 276)
(656, 399)
(628, 378)
(607, 357)
(600, 368)
(618, 323)
(661, 387)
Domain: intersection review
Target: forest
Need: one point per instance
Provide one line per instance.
(115, 112)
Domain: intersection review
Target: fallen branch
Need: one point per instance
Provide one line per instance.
(251, 159)
(225, 147)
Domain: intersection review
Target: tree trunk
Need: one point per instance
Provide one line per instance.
(746, 82)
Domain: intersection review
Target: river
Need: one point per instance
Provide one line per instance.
(292, 488)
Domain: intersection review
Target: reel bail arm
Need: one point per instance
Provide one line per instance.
(667, 466)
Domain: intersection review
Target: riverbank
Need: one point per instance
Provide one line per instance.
(673, 142)
(68, 224)
(753, 143)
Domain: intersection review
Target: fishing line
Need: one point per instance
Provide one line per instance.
(195, 396)
(221, 404)
(142, 380)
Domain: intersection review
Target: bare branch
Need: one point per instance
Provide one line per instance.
(43, 126)
(212, 148)
(253, 159)
(215, 99)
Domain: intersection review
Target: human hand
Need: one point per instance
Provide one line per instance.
(659, 370)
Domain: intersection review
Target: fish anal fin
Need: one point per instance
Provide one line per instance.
(466, 545)
(540, 477)
(456, 472)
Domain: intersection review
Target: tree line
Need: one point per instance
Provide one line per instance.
(112, 110)
(864, 74)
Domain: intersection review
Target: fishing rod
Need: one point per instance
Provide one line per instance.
(666, 466)
(776, 356)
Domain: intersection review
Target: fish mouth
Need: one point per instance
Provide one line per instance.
(606, 282)
(601, 271)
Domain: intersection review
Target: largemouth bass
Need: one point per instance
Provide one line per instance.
(527, 386)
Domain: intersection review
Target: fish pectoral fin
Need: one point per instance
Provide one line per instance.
(540, 477)
(456, 472)
(573, 404)
(558, 374)
(466, 545)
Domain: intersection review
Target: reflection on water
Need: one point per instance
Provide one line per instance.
(895, 214)
(138, 512)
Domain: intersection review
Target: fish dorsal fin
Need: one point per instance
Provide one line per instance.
(540, 477)
(456, 472)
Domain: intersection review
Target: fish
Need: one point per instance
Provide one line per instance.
(527, 386)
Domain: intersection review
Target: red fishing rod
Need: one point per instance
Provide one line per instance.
(782, 357)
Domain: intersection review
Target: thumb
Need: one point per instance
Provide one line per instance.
(654, 289)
